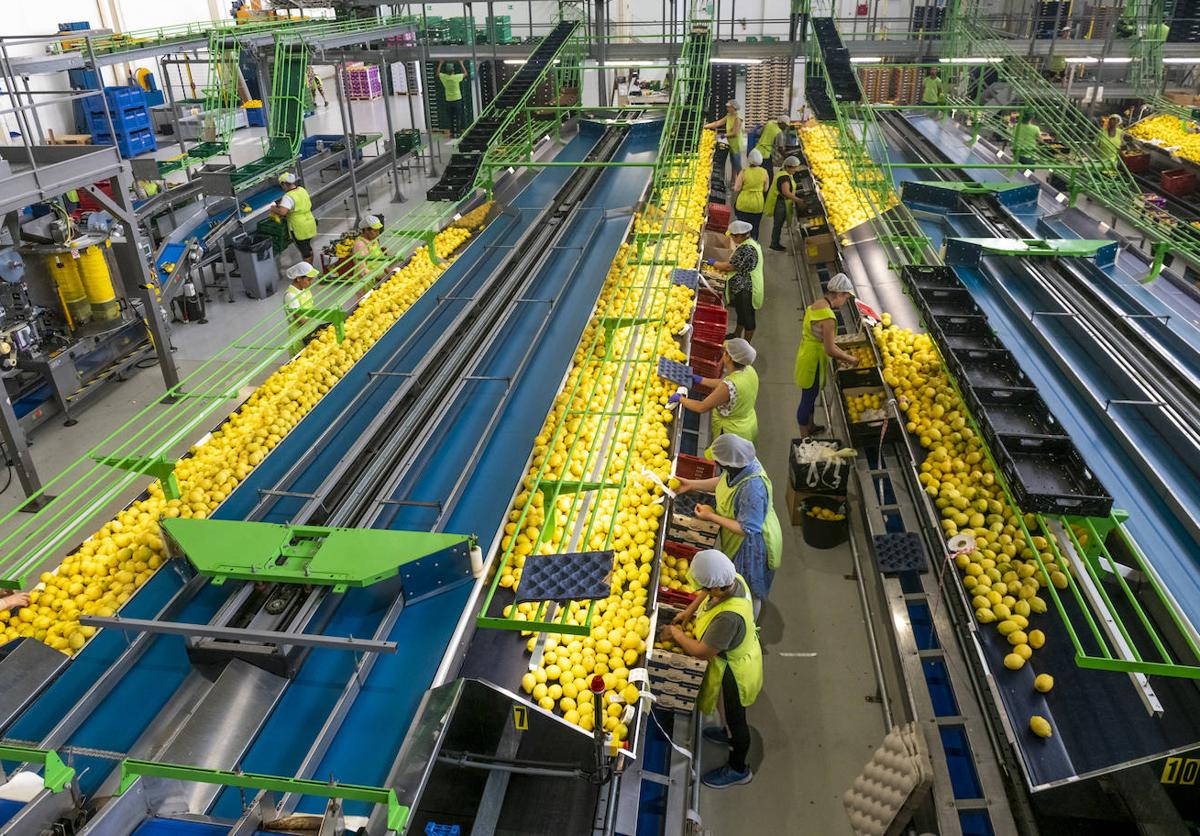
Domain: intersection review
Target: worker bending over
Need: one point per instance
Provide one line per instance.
(726, 636)
(295, 207)
(367, 253)
(298, 301)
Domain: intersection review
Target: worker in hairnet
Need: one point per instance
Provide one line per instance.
(750, 531)
(818, 342)
(724, 634)
(295, 207)
(766, 144)
(751, 187)
(735, 135)
(367, 250)
(780, 199)
(297, 301)
(744, 289)
(731, 398)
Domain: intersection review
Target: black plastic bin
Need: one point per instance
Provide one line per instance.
(824, 534)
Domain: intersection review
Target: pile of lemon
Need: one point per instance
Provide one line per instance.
(847, 205)
(1170, 131)
(675, 574)
(111, 564)
(827, 514)
(1001, 570)
(582, 440)
(866, 407)
(688, 627)
(864, 355)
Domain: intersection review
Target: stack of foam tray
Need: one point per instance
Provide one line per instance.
(1043, 467)
(130, 120)
(837, 61)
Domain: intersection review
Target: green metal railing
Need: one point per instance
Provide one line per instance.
(586, 415)
(1099, 634)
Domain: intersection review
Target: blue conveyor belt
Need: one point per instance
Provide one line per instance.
(1098, 718)
(171, 253)
(573, 274)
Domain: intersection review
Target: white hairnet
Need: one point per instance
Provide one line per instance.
(287, 178)
(841, 284)
(740, 228)
(732, 103)
(740, 351)
(755, 157)
(372, 222)
(732, 450)
(302, 269)
(791, 161)
(712, 568)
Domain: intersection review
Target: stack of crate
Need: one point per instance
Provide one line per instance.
(361, 82)
(877, 83)
(498, 27)
(721, 90)
(768, 90)
(907, 86)
(460, 30)
(1050, 13)
(130, 120)
(1185, 23)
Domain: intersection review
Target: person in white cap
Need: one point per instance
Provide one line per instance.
(732, 397)
(780, 200)
(751, 186)
(817, 342)
(744, 289)
(366, 250)
(750, 531)
(295, 207)
(728, 640)
(734, 134)
(298, 299)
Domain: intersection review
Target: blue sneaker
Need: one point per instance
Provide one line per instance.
(724, 777)
(715, 734)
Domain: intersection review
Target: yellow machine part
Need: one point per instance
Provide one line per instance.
(65, 273)
(97, 283)
(142, 76)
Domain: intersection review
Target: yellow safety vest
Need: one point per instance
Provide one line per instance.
(772, 532)
(745, 660)
(300, 218)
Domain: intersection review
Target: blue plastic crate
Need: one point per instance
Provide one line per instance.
(74, 26)
(130, 145)
(126, 96)
(432, 829)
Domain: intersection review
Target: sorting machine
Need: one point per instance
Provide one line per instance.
(316, 628)
(1085, 382)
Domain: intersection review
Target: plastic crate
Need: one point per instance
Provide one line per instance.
(718, 217)
(707, 332)
(711, 314)
(694, 467)
(1136, 163)
(709, 350)
(1177, 181)
(1049, 476)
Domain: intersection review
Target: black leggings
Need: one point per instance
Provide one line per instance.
(735, 719)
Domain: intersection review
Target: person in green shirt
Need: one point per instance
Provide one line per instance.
(1026, 136)
(817, 342)
(295, 208)
(751, 187)
(732, 398)
(735, 136)
(1111, 138)
(933, 91)
(452, 80)
(766, 144)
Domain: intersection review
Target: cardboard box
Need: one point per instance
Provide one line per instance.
(717, 245)
(819, 249)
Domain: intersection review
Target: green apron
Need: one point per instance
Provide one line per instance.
(729, 542)
(752, 197)
(810, 359)
(1110, 146)
(300, 219)
(767, 139)
(773, 194)
(745, 660)
(296, 304)
(742, 420)
(734, 140)
(756, 277)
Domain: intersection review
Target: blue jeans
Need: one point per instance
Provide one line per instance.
(735, 163)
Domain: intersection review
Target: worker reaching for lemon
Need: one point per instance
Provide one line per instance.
(744, 289)
(818, 341)
(728, 640)
(295, 207)
(750, 531)
(366, 250)
(732, 398)
(297, 300)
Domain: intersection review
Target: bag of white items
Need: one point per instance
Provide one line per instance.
(820, 465)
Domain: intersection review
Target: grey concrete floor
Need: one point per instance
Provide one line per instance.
(815, 724)
(55, 447)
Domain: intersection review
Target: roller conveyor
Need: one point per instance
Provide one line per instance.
(1094, 700)
(532, 347)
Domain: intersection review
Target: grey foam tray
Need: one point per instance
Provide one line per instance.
(576, 576)
(903, 552)
(687, 278)
(674, 372)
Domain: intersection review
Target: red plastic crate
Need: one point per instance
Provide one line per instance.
(87, 203)
(706, 368)
(708, 332)
(677, 549)
(1178, 181)
(1136, 163)
(675, 597)
(693, 467)
(718, 217)
(711, 314)
(707, 350)
(704, 296)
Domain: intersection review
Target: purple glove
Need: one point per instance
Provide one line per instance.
(697, 379)
(675, 399)
(710, 261)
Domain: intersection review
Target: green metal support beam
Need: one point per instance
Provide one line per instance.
(157, 467)
(397, 814)
(56, 775)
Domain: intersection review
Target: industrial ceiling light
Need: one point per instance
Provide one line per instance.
(984, 60)
(867, 59)
(735, 60)
(1085, 60)
(514, 61)
(1118, 60)
(1181, 60)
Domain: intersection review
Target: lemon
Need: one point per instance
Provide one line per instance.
(1043, 682)
(1040, 726)
(1036, 639)
(1014, 661)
